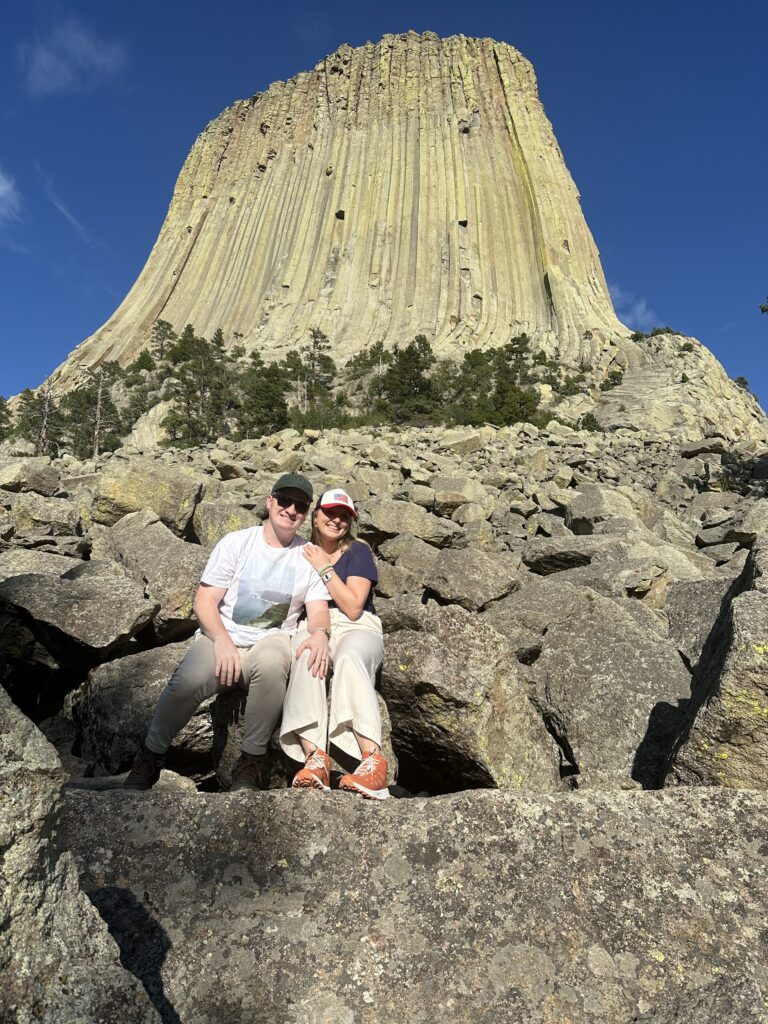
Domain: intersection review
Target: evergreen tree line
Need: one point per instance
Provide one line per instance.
(214, 390)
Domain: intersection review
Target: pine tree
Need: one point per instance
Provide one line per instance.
(5, 419)
(163, 336)
(90, 419)
(261, 408)
(404, 391)
(205, 392)
(39, 420)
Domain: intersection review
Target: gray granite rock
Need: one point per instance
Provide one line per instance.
(112, 710)
(57, 960)
(170, 567)
(130, 485)
(594, 908)
(460, 712)
(381, 518)
(31, 474)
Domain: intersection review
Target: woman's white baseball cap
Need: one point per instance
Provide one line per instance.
(336, 500)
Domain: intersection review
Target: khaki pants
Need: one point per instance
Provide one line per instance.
(265, 667)
(356, 650)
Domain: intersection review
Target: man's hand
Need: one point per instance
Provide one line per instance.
(318, 657)
(227, 669)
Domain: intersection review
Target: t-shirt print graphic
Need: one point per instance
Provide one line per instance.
(264, 593)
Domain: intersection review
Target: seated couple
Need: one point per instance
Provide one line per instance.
(254, 590)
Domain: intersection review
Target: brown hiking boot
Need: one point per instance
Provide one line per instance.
(145, 771)
(316, 773)
(250, 772)
(369, 779)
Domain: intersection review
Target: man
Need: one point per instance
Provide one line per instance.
(251, 594)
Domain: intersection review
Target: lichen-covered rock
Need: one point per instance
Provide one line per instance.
(597, 677)
(19, 561)
(57, 960)
(485, 907)
(472, 578)
(212, 520)
(726, 743)
(130, 485)
(170, 567)
(32, 513)
(460, 713)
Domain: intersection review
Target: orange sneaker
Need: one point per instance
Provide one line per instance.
(370, 778)
(316, 773)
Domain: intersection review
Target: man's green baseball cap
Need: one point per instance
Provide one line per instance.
(294, 482)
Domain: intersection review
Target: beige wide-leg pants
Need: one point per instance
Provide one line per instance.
(264, 666)
(356, 650)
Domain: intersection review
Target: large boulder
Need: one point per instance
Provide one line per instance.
(170, 567)
(87, 618)
(32, 513)
(35, 474)
(112, 710)
(381, 518)
(607, 685)
(460, 712)
(57, 960)
(213, 519)
(486, 906)
(725, 741)
(129, 485)
(471, 577)
(19, 561)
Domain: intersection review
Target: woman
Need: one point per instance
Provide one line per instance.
(347, 568)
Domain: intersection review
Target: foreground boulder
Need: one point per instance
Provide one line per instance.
(460, 713)
(726, 743)
(482, 907)
(57, 960)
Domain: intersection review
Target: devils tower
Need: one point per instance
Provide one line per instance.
(412, 186)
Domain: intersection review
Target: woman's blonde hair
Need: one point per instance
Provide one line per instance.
(346, 540)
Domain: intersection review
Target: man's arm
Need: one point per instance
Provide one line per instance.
(318, 624)
(206, 608)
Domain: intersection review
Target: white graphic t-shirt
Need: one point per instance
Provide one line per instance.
(266, 586)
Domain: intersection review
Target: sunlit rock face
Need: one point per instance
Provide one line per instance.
(410, 186)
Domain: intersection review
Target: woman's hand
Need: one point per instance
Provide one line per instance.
(315, 555)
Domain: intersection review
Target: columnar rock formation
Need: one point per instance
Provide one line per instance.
(410, 186)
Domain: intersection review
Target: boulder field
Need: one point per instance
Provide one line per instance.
(575, 693)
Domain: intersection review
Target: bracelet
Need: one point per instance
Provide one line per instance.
(321, 629)
(324, 569)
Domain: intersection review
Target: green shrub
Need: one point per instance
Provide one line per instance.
(613, 379)
(590, 422)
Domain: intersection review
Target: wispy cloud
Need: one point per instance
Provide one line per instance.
(68, 59)
(632, 310)
(10, 199)
(58, 203)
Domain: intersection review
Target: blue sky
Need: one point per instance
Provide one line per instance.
(660, 109)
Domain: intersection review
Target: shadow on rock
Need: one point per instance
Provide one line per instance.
(652, 755)
(143, 943)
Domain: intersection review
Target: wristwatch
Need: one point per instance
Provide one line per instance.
(325, 576)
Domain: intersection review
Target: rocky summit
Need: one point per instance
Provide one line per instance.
(575, 700)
